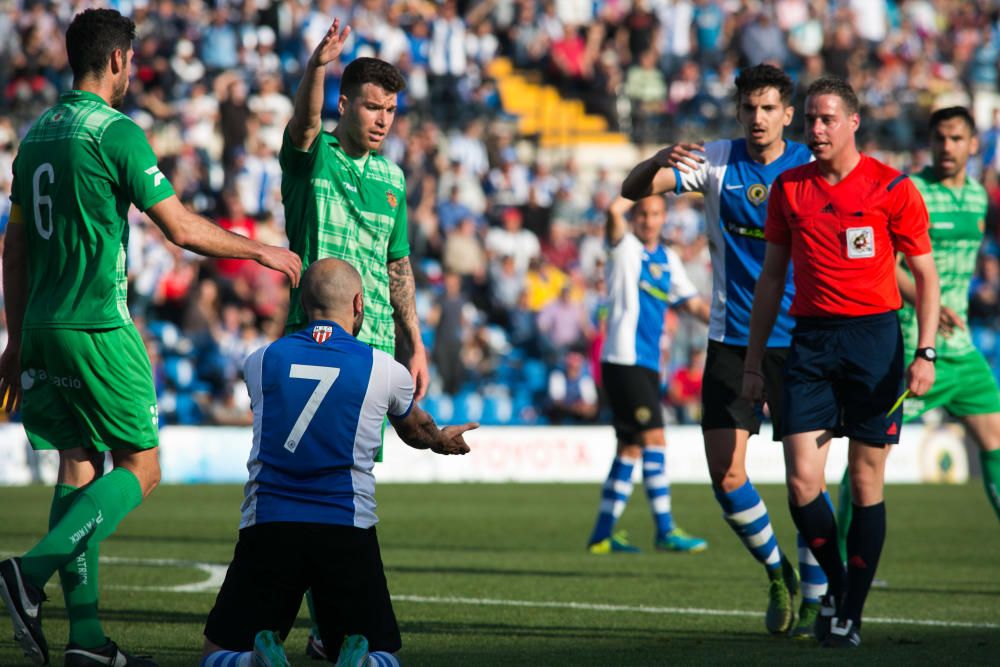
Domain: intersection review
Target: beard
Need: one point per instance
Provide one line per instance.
(359, 319)
(118, 94)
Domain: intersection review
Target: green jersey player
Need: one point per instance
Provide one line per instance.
(344, 200)
(74, 361)
(964, 384)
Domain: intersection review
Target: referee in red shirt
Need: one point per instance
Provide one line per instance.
(841, 220)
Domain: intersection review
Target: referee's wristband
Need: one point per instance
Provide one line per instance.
(757, 373)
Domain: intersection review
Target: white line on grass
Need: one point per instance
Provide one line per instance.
(685, 611)
(217, 573)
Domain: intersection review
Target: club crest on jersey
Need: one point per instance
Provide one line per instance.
(656, 271)
(321, 333)
(757, 194)
(390, 197)
(860, 242)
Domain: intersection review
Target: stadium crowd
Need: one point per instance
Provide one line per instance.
(507, 241)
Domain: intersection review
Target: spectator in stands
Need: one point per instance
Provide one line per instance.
(572, 394)
(449, 334)
(563, 325)
(463, 254)
(684, 388)
(511, 240)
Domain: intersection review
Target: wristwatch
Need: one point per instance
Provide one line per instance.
(928, 353)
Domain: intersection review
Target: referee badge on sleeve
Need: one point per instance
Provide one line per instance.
(860, 242)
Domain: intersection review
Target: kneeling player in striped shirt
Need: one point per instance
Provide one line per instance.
(308, 517)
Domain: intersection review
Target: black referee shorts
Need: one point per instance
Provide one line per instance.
(844, 374)
(273, 566)
(722, 405)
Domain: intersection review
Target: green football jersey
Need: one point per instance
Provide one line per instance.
(334, 209)
(78, 170)
(957, 222)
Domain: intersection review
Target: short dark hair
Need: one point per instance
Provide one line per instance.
(371, 70)
(763, 76)
(93, 36)
(948, 113)
(834, 85)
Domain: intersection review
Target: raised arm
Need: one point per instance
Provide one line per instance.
(307, 122)
(656, 175)
(403, 298)
(615, 224)
(766, 303)
(419, 431)
(193, 232)
(15, 294)
(920, 373)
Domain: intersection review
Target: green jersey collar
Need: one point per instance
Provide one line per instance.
(332, 139)
(77, 95)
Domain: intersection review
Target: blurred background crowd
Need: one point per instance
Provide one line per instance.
(505, 224)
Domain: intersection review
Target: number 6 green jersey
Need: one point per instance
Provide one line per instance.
(78, 170)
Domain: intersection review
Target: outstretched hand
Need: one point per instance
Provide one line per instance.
(451, 439)
(685, 157)
(330, 47)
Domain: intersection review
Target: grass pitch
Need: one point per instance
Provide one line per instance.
(497, 575)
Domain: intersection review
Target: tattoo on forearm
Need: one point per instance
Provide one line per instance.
(423, 434)
(402, 296)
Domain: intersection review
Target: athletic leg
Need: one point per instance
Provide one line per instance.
(78, 469)
(866, 535)
(985, 430)
(615, 493)
(805, 460)
(94, 514)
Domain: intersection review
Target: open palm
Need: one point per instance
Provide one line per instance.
(331, 45)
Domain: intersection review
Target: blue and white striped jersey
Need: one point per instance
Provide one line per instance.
(319, 397)
(736, 189)
(641, 284)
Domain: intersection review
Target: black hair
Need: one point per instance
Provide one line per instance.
(93, 36)
(758, 77)
(371, 70)
(834, 85)
(948, 113)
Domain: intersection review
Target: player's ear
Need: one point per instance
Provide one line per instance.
(342, 105)
(359, 303)
(789, 115)
(974, 145)
(117, 61)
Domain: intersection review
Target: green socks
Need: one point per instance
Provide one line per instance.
(991, 477)
(314, 631)
(79, 579)
(845, 508)
(93, 515)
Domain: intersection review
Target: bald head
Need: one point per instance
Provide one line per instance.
(331, 290)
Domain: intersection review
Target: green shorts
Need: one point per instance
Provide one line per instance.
(89, 389)
(963, 386)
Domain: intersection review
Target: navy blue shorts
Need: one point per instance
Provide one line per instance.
(844, 374)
